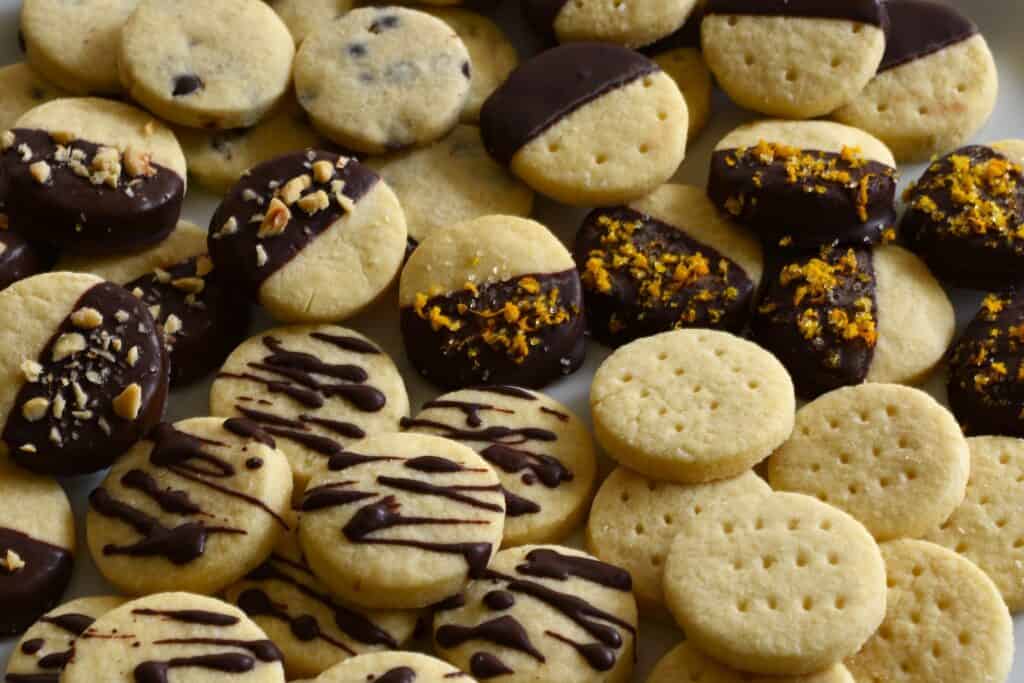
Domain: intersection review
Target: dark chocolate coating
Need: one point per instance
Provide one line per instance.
(213, 321)
(541, 15)
(91, 443)
(18, 258)
(986, 386)
(460, 358)
(718, 296)
(818, 356)
(918, 28)
(863, 11)
(235, 255)
(687, 35)
(36, 588)
(962, 241)
(550, 86)
(762, 196)
(71, 211)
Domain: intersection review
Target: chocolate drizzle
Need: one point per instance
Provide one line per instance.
(505, 631)
(189, 616)
(75, 624)
(551, 86)
(551, 564)
(862, 11)
(484, 666)
(227, 662)
(35, 588)
(918, 28)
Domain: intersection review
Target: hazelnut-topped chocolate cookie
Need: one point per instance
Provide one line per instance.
(805, 183)
(93, 175)
(495, 300)
(311, 235)
(83, 372)
(965, 215)
(666, 261)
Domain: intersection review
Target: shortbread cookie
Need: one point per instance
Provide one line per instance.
(491, 54)
(628, 24)
(889, 455)
(667, 261)
(541, 451)
(944, 622)
(449, 181)
(84, 372)
(73, 44)
(686, 663)
(986, 528)
(688, 69)
(93, 175)
(843, 315)
(185, 499)
(752, 581)
(314, 388)
(393, 667)
(542, 613)
(588, 124)
(806, 183)
(936, 85)
(218, 159)
(691, 405)
(23, 90)
(202, 319)
(180, 636)
(986, 380)
(18, 258)
(495, 300)
(313, 630)
(401, 520)
(37, 539)
(312, 236)
(793, 60)
(303, 17)
(221, 64)
(48, 645)
(379, 79)
(965, 213)
(634, 520)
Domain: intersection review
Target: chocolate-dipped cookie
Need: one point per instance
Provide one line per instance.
(666, 261)
(84, 372)
(805, 183)
(845, 315)
(495, 300)
(202, 318)
(37, 539)
(311, 235)
(18, 258)
(588, 124)
(93, 175)
(964, 215)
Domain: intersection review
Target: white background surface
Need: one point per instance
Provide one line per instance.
(1001, 21)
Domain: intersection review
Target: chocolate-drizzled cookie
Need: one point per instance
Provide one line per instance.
(394, 667)
(184, 499)
(668, 261)
(18, 258)
(496, 300)
(539, 610)
(312, 236)
(85, 370)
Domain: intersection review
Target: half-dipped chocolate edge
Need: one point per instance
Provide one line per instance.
(551, 86)
(863, 11)
(28, 591)
(918, 28)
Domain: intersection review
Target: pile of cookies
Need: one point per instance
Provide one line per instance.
(387, 158)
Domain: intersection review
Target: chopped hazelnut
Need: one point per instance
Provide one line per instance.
(31, 370)
(204, 266)
(261, 256)
(133, 356)
(275, 220)
(323, 171)
(293, 189)
(68, 344)
(7, 140)
(172, 325)
(161, 275)
(35, 409)
(192, 285)
(28, 448)
(139, 163)
(314, 202)
(87, 318)
(230, 227)
(81, 398)
(128, 403)
(40, 171)
(12, 561)
(106, 167)
(59, 404)
(122, 316)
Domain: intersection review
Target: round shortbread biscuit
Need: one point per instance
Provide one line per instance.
(753, 582)
(691, 405)
(401, 521)
(23, 90)
(688, 69)
(794, 60)
(889, 455)
(379, 79)
(178, 635)
(945, 622)
(303, 17)
(634, 520)
(393, 667)
(588, 124)
(607, 21)
(936, 85)
(541, 451)
(986, 528)
(687, 663)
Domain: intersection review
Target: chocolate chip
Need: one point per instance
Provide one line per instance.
(465, 69)
(366, 77)
(384, 23)
(186, 84)
(357, 49)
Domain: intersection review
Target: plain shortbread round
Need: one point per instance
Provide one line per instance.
(632, 24)
(686, 663)
(371, 667)
(23, 90)
(945, 621)
(688, 69)
(691, 405)
(379, 79)
(889, 455)
(303, 17)
(754, 581)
